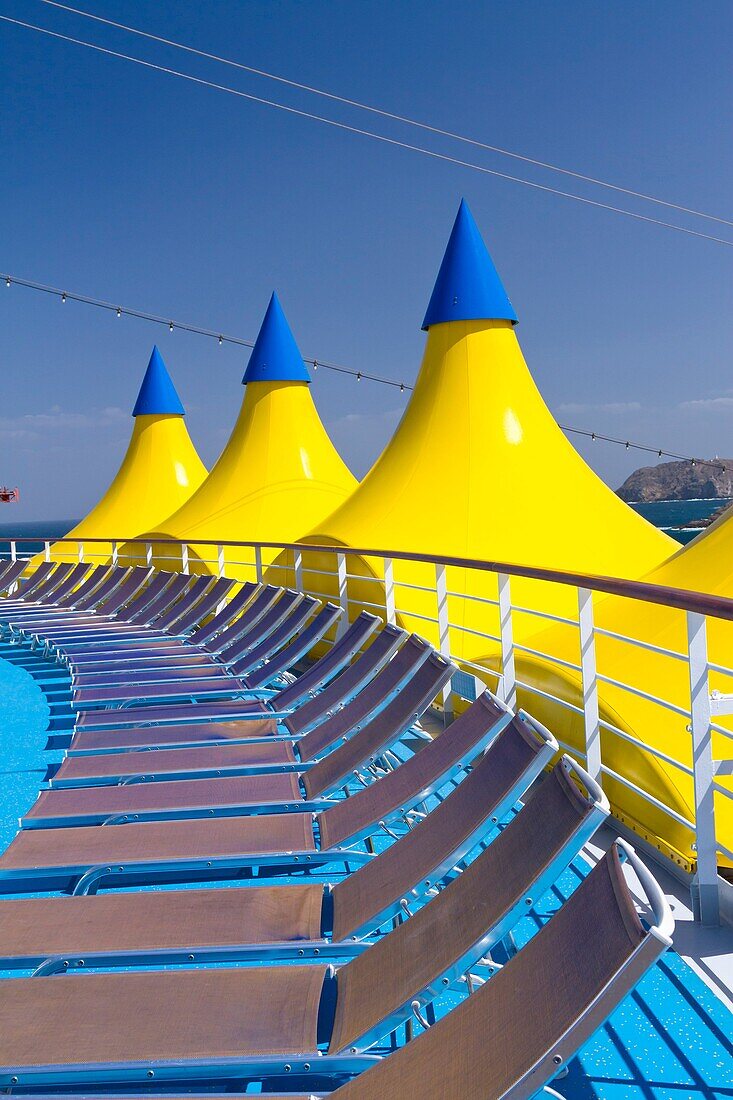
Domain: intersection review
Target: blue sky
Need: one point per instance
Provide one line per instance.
(136, 187)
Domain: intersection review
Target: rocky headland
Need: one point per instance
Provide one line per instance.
(703, 480)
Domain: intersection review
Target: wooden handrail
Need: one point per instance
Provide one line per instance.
(719, 607)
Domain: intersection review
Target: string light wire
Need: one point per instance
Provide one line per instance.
(359, 375)
(360, 131)
(391, 115)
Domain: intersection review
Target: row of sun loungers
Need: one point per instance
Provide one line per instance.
(222, 832)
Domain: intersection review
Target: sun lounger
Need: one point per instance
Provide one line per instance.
(162, 591)
(11, 573)
(92, 587)
(298, 921)
(306, 686)
(66, 582)
(37, 587)
(265, 671)
(20, 625)
(372, 723)
(156, 646)
(198, 1024)
(147, 641)
(124, 596)
(82, 859)
(315, 707)
(115, 686)
(32, 583)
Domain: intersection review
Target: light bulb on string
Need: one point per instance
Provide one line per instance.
(7, 280)
(221, 340)
(119, 312)
(170, 326)
(63, 297)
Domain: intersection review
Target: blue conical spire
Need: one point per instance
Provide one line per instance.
(157, 396)
(468, 287)
(275, 356)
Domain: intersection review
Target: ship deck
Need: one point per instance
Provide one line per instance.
(669, 1040)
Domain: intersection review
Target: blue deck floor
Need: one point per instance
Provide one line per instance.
(670, 1040)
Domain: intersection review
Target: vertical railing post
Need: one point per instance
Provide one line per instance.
(81, 551)
(220, 560)
(703, 768)
(184, 558)
(441, 593)
(258, 564)
(389, 601)
(343, 593)
(149, 553)
(13, 550)
(298, 569)
(115, 554)
(591, 715)
(506, 632)
(47, 550)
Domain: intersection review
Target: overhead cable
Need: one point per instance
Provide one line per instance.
(222, 338)
(391, 115)
(360, 131)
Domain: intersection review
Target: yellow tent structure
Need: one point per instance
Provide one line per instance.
(705, 565)
(479, 468)
(278, 475)
(159, 472)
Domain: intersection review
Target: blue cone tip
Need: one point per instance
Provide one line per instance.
(157, 396)
(275, 356)
(468, 287)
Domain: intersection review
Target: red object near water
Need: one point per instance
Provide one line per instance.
(9, 496)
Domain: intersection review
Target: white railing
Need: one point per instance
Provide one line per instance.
(449, 595)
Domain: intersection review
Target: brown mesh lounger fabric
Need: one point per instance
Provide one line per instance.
(155, 843)
(338, 691)
(172, 761)
(506, 1040)
(56, 589)
(211, 795)
(101, 579)
(156, 646)
(159, 1017)
(487, 714)
(403, 701)
(528, 854)
(255, 725)
(152, 849)
(165, 920)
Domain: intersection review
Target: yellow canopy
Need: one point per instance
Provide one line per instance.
(279, 473)
(159, 472)
(479, 468)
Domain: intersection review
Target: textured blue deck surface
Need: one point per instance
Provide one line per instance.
(670, 1040)
(23, 720)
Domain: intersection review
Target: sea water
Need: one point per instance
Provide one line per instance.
(668, 515)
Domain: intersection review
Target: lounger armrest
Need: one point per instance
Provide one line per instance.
(596, 795)
(541, 732)
(663, 926)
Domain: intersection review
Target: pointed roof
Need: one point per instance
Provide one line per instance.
(275, 356)
(468, 287)
(157, 396)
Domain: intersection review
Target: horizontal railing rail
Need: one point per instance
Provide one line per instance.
(460, 619)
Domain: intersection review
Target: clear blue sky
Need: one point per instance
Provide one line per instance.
(137, 187)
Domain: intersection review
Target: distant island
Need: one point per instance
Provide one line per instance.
(707, 480)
